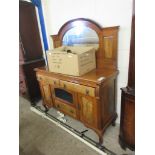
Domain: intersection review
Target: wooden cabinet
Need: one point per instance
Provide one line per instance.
(93, 104)
(127, 123)
(30, 52)
(28, 85)
(89, 98)
(29, 31)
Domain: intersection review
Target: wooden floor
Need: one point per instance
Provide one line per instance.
(39, 136)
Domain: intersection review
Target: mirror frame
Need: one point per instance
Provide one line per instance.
(106, 55)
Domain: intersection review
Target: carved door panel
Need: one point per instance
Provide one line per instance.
(46, 94)
(87, 109)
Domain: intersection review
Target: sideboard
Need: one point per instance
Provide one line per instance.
(89, 98)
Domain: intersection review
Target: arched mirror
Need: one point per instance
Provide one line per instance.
(85, 32)
(81, 35)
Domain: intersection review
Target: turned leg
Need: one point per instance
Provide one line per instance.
(100, 139)
(46, 108)
(100, 135)
(113, 123)
(122, 144)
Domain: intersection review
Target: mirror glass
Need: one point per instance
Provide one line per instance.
(81, 35)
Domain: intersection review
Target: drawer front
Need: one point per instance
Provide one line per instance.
(90, 91)
(65, 108)
(48, 80)
(67, 85)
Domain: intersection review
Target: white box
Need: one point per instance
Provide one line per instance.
(72, 60)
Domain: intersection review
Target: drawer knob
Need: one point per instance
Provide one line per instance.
(87, 92)
(64, 85)
(71, 111)
(58, 106)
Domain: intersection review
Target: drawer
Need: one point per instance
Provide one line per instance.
(90, 91)
(49, 80)
(67, 85)
(66, 109)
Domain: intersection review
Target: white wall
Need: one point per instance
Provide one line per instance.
(106, 13)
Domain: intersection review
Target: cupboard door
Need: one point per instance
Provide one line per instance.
(46, 94)
(87, 109)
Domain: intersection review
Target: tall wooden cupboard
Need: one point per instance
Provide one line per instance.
(30, 51)
(127, 123)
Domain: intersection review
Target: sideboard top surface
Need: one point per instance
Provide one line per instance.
(96, 76)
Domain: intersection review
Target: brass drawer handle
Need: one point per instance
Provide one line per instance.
(87, 92)
(54, 82)
(71, 111)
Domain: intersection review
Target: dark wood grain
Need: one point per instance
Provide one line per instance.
(127, 121)
(29, 31)
(131, 73)
(31, 80)
(127, 124)
(30, 51)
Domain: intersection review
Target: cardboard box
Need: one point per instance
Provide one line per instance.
(72, 60)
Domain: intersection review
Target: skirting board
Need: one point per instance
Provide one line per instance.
(73, 134)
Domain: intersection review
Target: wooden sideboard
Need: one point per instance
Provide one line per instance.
(92, 96)
(89, 98)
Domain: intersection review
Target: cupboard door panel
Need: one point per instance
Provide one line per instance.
(87, 109)
(46, 94)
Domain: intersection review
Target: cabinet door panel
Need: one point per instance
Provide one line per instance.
(129, 122)
(87, 109)
(46, 94)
